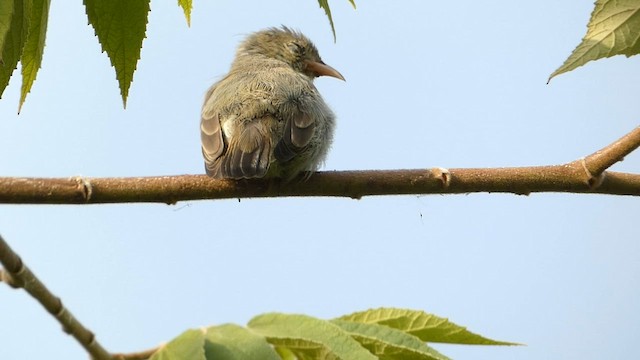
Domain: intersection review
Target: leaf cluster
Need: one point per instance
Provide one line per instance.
(383, 333)
(120, 26)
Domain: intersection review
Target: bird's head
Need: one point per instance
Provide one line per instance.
(290, 47)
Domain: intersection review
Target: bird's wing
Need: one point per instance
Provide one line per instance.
(245, 156)
(298, 132)
(213, 144)
(248, 153)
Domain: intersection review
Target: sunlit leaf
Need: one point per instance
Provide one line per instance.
(426, 327)
(14, 40)
(233, 342)
(120, 26)
(6, 13)
(285, 353)
(388, 343)
(186, 6)
(614, 29)
(34, 46)
(187, 346)
(324, 4)
(308, 338)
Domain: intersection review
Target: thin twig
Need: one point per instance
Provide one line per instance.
(603, 159)
(19, 276)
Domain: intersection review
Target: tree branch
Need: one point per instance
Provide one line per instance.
(602, 159)
(586, 175)
(17, 275)
(143, 355)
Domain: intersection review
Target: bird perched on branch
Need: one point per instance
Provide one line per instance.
(265, 118)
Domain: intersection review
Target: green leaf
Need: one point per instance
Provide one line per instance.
(187, 346)
(308, 338)
(14, 40)
(614, 29)
(285, 353)
(389, 344)
(297, 349)
(6, 13)
(186, 5)
(120, 26)
(233, 342)
(426, 327)
(34, 46)
(324, 4)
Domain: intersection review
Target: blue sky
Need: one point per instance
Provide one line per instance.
(428, 84)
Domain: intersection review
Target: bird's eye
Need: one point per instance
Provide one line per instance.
(296, 48)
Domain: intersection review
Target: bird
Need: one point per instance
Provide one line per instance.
(265, 118)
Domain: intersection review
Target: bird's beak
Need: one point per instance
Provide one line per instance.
(321, 69)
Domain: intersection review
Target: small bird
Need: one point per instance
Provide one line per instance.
(265, 118)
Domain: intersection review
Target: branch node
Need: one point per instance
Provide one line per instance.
(92, 339)
(592, 181)
(61, 309)
(442, 174)
(12, 281)
(85, 187)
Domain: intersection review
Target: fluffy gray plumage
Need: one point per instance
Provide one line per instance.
(265, 118)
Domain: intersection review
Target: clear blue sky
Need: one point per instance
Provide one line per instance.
(428, 84)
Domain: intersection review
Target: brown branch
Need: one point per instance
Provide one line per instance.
(354, 184)
(603, 159)
(585, 175)
(142, 355)
(18, 275)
